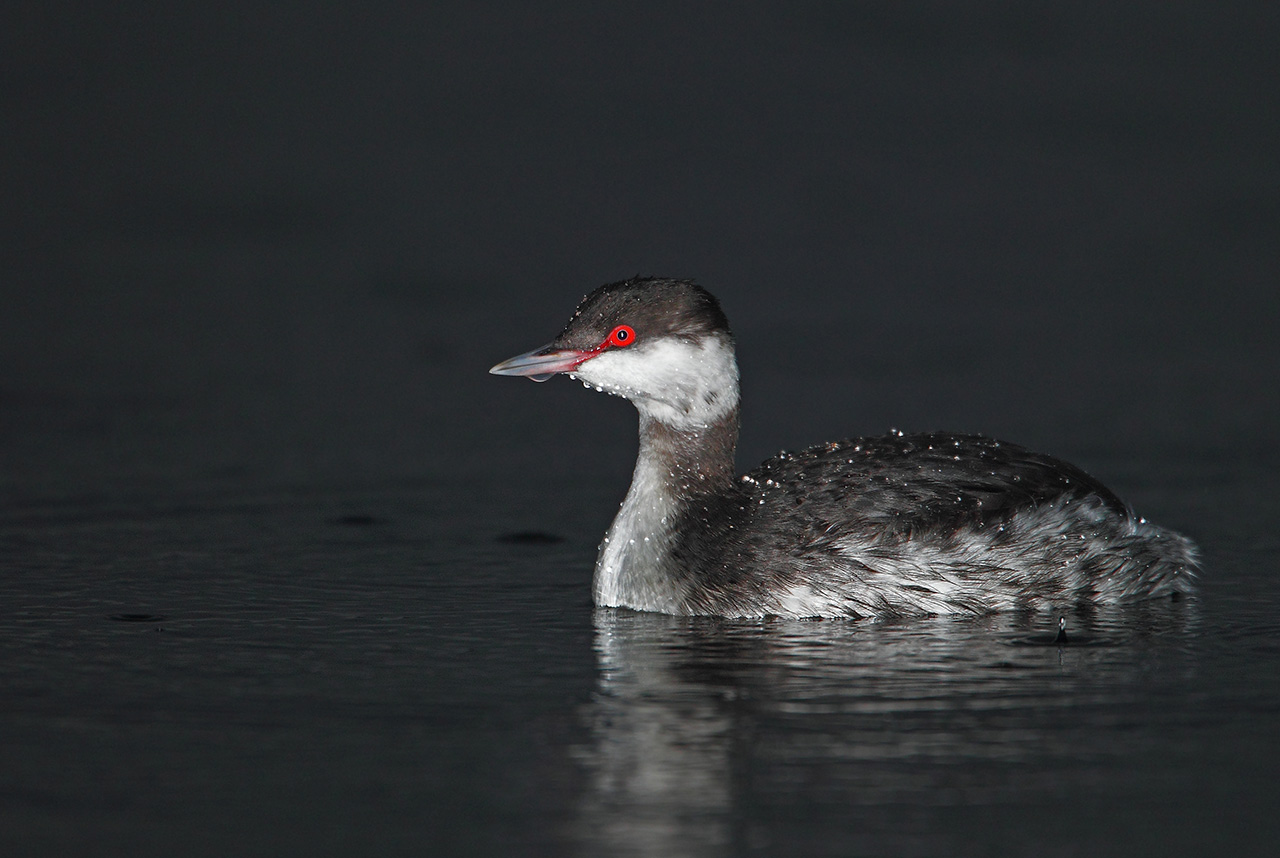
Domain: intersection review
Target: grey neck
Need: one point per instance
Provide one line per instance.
(675, 470)
(699, 461)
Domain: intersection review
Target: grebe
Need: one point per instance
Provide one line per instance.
(886, 526)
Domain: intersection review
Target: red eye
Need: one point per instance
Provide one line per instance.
(621, 336)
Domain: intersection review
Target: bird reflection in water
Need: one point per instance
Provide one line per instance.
(709, 736)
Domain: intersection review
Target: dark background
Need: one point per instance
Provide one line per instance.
(282, 243)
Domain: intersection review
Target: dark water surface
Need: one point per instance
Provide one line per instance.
(403, 669)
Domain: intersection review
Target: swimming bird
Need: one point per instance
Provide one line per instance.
(893, 525)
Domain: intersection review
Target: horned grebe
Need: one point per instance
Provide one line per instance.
(893, 525)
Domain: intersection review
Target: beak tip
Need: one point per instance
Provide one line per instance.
(539, 364)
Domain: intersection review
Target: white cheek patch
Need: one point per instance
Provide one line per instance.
(680, 383)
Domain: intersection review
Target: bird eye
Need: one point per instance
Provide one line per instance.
(621, 336)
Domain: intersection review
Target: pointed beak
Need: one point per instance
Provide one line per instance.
(541, 364)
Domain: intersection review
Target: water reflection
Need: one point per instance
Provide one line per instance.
(697, 721)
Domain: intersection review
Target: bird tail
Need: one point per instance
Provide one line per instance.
(1162, 563)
